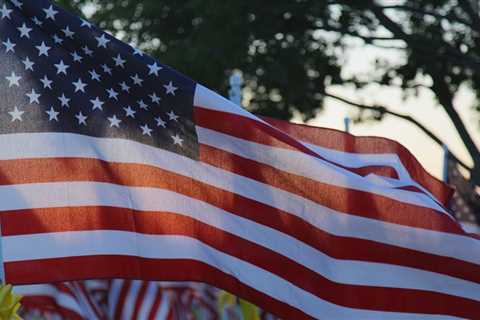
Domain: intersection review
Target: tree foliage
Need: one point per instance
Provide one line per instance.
(292, 51)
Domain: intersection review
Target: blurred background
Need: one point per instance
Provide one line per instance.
(406, 70)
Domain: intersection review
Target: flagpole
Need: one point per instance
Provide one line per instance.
(346, 122)
(235, 92)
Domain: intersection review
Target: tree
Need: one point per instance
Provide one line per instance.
(290, 52)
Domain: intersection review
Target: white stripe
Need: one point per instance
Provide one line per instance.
(130, 300)
(81, 243)
(208, 99)
(148, 300)
(308, 166)
(165, 306)
(358, 160)
(331, 221)
(113, 295)
(152, 199)
(35, 290)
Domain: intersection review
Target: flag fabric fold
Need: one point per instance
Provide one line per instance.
(113, 165)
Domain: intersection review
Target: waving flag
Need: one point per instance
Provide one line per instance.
(115, 166)
(68, 300)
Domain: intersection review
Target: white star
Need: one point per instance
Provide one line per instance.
(33, 96)
(112, 94)
(155, 99)
(87, 51)
(17, 3)
(52, 114)
(154, 68)
(137, 80)
(81, 118)
(79, 85)
(177, 140)
(106, 69)
(137, 51)
(68, 33)
(47, 83)
(37, 21)
(142, 105)
(28, 64)
(42, 49)
(130, 112)
(16, 114)
(5, 12)
(97, 104)
(119, 61)
(146, 130)
(170, 88)
(57, 39)
(94, 75)
(13, 79)
(76, 57)
(114, 121)
(172, 116)
(50, 13)
(160, 122)
(85, 23)
(64, 100)
(125, 87)
(102, 41)
(61, 67)
(9, 45)
(24, 31)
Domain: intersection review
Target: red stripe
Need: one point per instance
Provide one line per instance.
(182, 270)
(126, 284)
(263, 133)
(335, 246)
(102, 267)
(159, 296)
(350, 201)
(139, 299)
(354, 296)
(342, 141)
(365, 204)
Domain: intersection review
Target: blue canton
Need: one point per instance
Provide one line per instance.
(59, 73)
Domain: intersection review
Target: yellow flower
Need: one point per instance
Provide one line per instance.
(9, 303)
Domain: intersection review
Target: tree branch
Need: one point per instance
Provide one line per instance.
(420, 43)
(415, 122)
(429, 13)
(467, 7)
(445, 97)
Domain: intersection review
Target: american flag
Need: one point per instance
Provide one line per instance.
(68, 300)
(135, 299)
(119, 299)
(116, 166)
